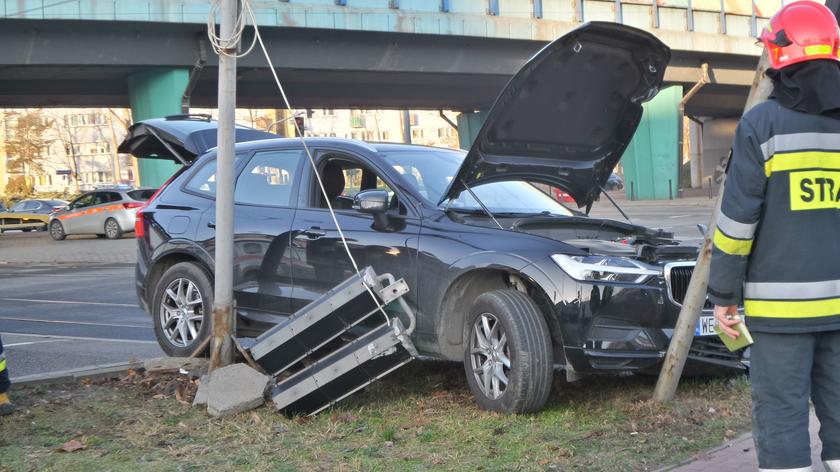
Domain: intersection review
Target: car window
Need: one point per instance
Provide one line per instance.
(431, 171)
(141, 195)
(101, 197)
(83, 201)
(343, 179)
(268, 178)
(204, 180)
(34, 205)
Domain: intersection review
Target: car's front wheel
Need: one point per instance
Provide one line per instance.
(182, 306)
(508, 359)
(57, 230)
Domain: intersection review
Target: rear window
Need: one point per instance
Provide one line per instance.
(141, 195)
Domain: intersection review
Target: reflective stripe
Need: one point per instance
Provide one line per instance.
(792, 290)
(735, 247)
(802, 160)
(2, 365)
(735, 229)
(799, 142)
(92, 211)
(792, 308)
(817, 49)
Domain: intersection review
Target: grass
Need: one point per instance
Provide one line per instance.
(419, 418)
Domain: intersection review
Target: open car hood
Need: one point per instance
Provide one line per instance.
(181, 138)
(568, 115)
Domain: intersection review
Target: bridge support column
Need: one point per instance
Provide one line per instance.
(156, 93)
(469, 124)
(652, 160)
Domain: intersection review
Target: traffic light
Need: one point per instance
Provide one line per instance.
(299, 126)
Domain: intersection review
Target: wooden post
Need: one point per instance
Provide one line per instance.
(695, 297)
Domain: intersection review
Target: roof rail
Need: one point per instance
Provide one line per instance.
(190, 116)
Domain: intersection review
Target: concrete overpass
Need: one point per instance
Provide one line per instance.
(369, 53)
(454, 54)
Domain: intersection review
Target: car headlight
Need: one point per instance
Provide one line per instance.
(604, 268)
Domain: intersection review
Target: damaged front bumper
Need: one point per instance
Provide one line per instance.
(616, 327)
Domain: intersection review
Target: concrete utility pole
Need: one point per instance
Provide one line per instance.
(695, 297)
(406, 122)
(223, 316)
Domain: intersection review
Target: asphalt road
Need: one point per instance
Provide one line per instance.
(72, 304)
(68, 304)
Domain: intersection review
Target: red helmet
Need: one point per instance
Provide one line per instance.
(801, 31)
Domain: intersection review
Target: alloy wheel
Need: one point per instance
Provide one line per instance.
(490, 355)
(111, 229)
(56, 231)
(181, 312)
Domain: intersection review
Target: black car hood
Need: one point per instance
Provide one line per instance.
(567, 116)
(181, 138)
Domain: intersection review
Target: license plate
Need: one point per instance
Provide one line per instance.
(706, 326)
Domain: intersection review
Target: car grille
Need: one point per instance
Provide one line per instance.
(711, 347)
(679, 277)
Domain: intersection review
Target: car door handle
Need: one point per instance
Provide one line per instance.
(211, 224)
(314, 233)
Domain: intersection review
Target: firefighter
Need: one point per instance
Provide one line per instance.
(777, 241)
(6, 406)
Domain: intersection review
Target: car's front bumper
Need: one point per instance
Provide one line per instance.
(614, 327)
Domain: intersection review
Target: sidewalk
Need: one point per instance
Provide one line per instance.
(739, 455)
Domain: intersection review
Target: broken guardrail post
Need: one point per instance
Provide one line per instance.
(339, 312)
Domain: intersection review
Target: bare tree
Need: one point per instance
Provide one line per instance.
(26, 144)
(67, 136)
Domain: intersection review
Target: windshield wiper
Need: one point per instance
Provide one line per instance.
(604, 191)
(483, 207)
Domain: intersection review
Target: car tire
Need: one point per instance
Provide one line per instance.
(177, 338)
(525, 359)
(112, 229)
(57, 230)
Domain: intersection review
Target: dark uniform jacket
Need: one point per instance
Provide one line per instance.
(777, 241)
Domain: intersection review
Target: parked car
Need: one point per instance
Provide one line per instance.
(514, 293)
(615, 182)
(105, 212)
(41, 207)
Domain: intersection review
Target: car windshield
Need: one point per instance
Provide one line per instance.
(430, 171)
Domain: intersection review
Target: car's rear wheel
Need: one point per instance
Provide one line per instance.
(183, 302)
(112, 229)
(508, 359)
(57, 230)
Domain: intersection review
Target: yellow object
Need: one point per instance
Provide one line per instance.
(745, 339)
(817, 49)
(792, 308)
(814, 190)
(735, 247)
(2, 365)
(802, 161)
(4, 399)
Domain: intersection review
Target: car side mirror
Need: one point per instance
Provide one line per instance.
(372, 202)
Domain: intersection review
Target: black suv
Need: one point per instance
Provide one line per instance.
(503, 278)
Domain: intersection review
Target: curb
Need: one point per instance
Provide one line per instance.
(723, 446)
(108, 371)
(102, 371)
